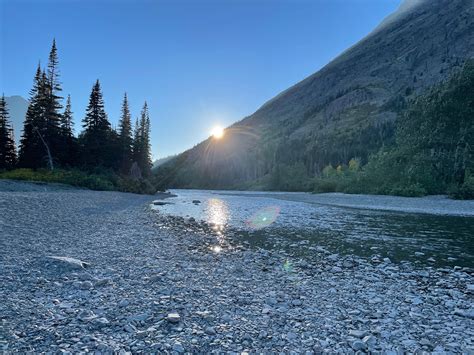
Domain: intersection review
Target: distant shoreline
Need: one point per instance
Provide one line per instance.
(438, 204)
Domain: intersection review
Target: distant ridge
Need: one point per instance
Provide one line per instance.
(17, 107)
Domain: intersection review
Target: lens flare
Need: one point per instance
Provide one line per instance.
(288, 266)
(263, 217)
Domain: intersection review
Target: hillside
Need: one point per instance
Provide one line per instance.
(17, 107)
(347, 109)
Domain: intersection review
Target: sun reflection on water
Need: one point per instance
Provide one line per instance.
(217, 213)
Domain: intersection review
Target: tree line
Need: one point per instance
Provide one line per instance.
(48, 139)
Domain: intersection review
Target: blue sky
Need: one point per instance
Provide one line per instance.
(198, 63)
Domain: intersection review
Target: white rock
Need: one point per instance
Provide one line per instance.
(173, 317)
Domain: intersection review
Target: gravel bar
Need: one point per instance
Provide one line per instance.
(100, 271)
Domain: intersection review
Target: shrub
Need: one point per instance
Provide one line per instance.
(414, 190)
(325, 185)
(464, 191)
(142, 186)
(104, 181)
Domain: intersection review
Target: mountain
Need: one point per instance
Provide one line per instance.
(347, 109)
(161, 161)
(17, 107)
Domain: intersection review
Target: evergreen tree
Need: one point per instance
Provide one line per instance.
(53, 69)
(53, 106)
(42, 137)
(67, 129)
(147, 163)
(7, 142)
(141, 142)
(125, 137)
(33, 153)
(97, 138)
(70, 151)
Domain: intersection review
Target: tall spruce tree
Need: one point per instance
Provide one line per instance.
(7, 143)
(53, 106)
(69, 155)
(141, 142)
(67, 124)
(125, 137)
(147, 163)
(33, 153)
(97, 138)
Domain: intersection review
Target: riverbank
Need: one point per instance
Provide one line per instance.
(142, 266)
(105, 180)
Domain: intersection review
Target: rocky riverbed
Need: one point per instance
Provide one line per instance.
(141, 281)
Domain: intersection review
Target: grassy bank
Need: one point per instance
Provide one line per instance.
(102, 181)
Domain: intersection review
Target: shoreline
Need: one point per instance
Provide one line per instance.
(144, 266)
(441, 204)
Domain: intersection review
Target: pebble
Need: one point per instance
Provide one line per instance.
(178, 347)
(358, 345)
(173, 317)
(358, 333)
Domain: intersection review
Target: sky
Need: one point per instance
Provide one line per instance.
(198, 63)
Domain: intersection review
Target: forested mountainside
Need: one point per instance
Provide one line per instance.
(346, 110)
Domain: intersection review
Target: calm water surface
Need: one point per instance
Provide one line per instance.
(282, 220)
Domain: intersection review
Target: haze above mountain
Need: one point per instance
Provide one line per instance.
(347, 109)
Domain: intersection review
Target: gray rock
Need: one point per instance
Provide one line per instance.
(358, 333)
(86, 285)
(465, 313)
(369, 340)
(210, 331)
(130, 328)
(100, 322)
(65, 263)
(178, 347)
(124, 303)
(140, 317)
(358, 345)
(173, 317)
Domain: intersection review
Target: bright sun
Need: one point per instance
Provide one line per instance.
(217, 132)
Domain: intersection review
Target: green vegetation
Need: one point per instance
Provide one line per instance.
(433, 150)
(99, 158)
(103, 181)
(8, 156)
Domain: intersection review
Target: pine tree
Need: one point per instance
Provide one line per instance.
(70, 151)
(125, 137)
(147, 163)
(53, 106)
(67, 129)
(7, 143)
(33, 153)
(53, 69)
(97, 138)
(42, 139)
(141, 142)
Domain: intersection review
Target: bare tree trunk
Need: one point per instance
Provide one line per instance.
(50, 157)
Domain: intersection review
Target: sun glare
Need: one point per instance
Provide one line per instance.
(217, 132)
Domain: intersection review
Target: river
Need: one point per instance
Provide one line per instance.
(427, 231)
